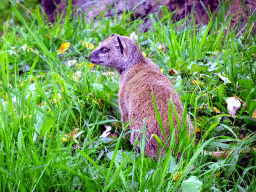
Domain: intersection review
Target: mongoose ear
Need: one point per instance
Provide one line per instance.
(120, 45)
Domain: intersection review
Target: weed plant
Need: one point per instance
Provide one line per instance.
(54, 107)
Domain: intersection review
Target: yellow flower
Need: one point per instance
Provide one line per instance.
(254, 114)
(72, 136)
(65, 139)
(108, 96)
(78, 65)
(48, 36)
(91, 66)
(59, 97)
(217, 174)
(87, 45)
(63, 48)
(216, 110)
(176, 176)
(100, 102)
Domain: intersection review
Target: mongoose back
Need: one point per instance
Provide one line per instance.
(138, 78)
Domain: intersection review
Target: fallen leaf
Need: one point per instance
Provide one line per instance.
(77, 75)
(133, 36)
(25, 48)
(110, 74)
(172, 72)
(106, 132)
(161, 47)
(225, 79)
(71, 63)
(233, 104)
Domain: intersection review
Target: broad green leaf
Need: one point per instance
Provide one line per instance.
(192, 184)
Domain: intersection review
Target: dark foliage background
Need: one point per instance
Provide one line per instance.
(7, 14)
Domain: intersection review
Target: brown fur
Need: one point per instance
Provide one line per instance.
(138, 78)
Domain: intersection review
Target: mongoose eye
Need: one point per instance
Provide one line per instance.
(104, 50)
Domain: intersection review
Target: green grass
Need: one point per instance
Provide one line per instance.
(51, 118)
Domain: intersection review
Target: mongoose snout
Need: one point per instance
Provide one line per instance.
(94, 58)
(139, 77)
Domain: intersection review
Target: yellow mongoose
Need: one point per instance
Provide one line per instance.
(138, 78)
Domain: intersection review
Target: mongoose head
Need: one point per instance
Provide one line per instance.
(116, 51)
